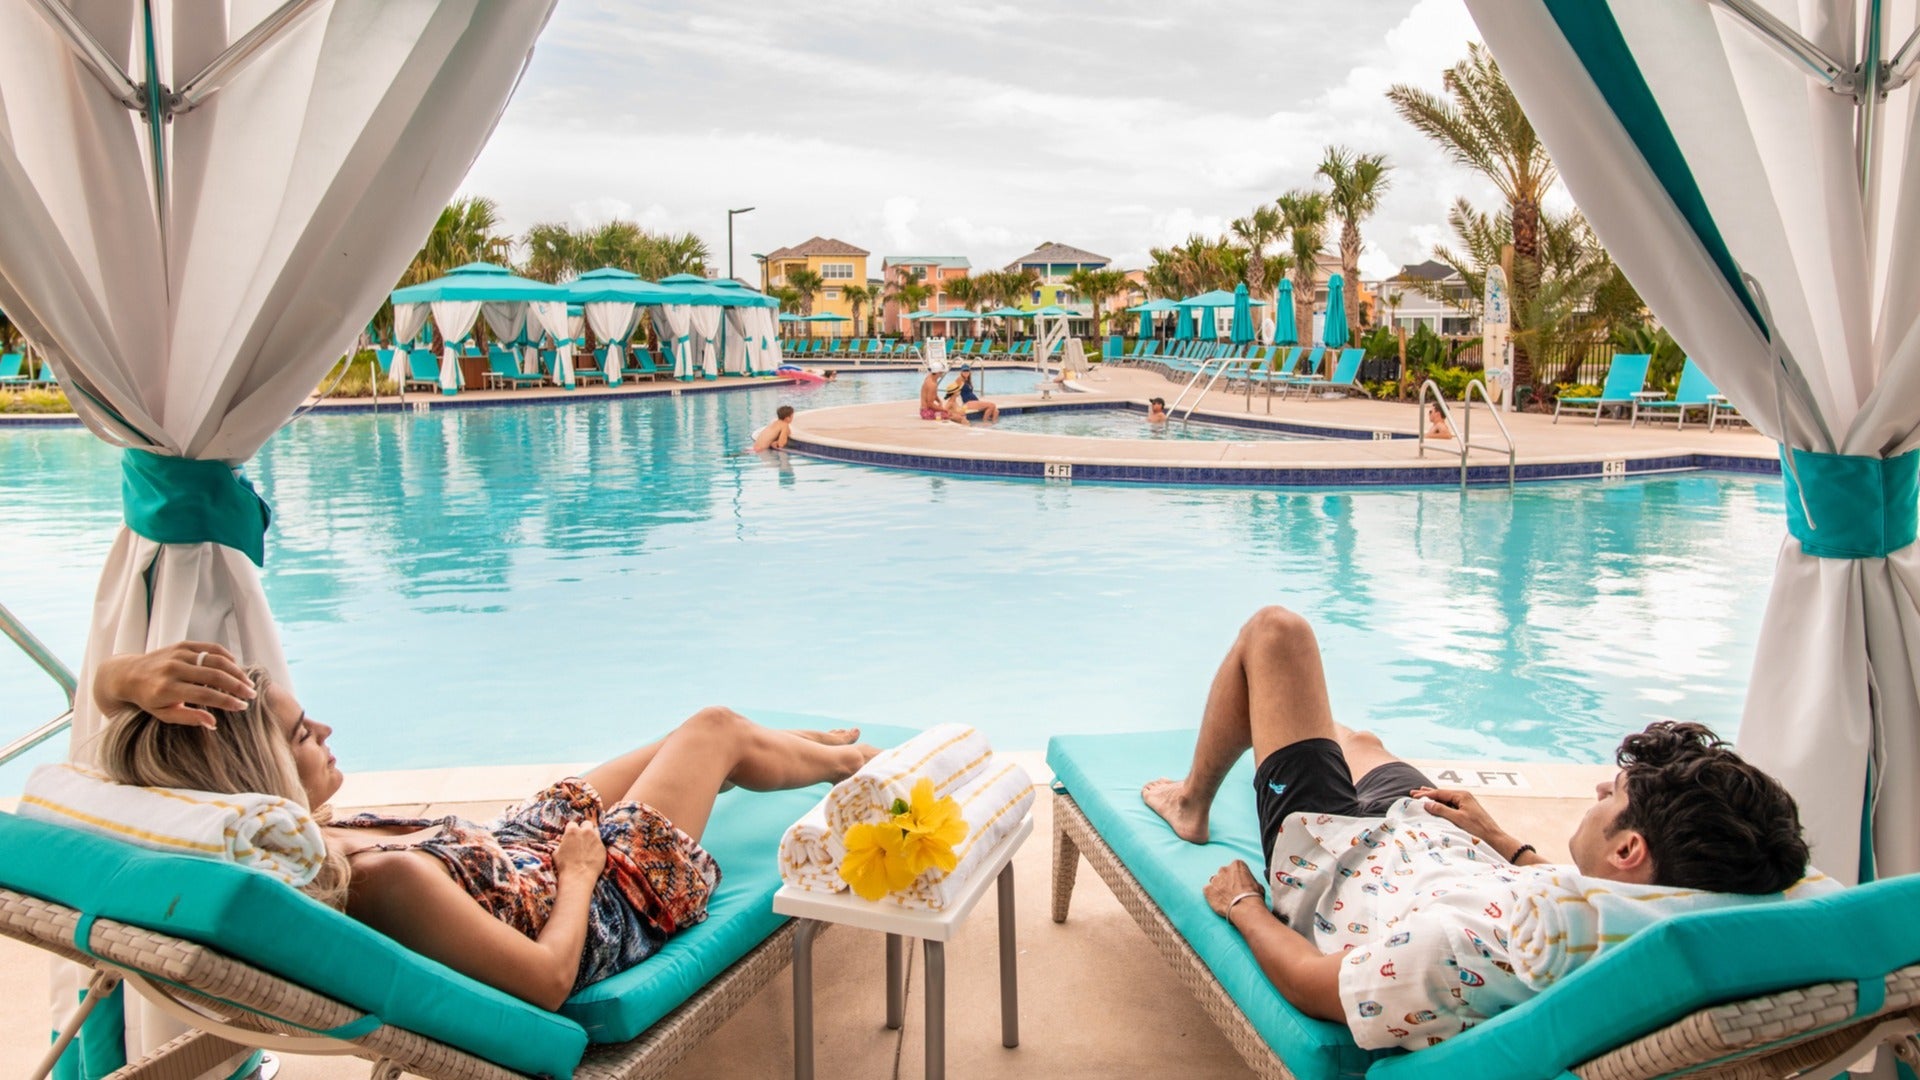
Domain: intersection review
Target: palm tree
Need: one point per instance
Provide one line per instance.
(909, 292)
(553, 252)
(1305, 215)
(1097, 286)
(806, 284)
(464, 233)
(670, 254)
(1358, 181)
(1480, 125)
(858, 296)
(1256, 232)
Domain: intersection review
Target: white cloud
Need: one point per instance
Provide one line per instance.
(1098, 123)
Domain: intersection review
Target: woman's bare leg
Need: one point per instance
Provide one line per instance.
(717, 746)
(1270, 692)
(616, 776)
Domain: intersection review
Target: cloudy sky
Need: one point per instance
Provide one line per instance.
(972, 129)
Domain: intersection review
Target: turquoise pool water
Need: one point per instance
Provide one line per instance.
(1128, 424)
(553, 583)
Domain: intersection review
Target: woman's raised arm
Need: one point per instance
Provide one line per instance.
(175, 683)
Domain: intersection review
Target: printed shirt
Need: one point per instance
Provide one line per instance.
(1424, 908)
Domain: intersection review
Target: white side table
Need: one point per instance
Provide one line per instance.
(935, 928)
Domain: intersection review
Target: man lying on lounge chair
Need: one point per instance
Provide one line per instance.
(1392, 902)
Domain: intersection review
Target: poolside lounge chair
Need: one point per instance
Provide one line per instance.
(1626, 378)
(47, 378)
(503, 370)
(1345, 376)
(1695, 391)
(10, 370)
(644, 366)
(159, 919)
(594, 370)
(423, 370)
(1711, 994)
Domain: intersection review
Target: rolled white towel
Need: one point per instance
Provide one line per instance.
(949, 755)
(810, 854)
(993, 804)
(265, 832)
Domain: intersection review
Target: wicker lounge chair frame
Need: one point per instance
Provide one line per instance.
(234, 1005)
(1808, 1029)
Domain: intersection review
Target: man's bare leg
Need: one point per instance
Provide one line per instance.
(1363, 750)
(1270, 692)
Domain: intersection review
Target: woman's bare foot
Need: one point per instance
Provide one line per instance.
(840, 736)
(1168, 798)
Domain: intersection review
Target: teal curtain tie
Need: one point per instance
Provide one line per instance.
(176, 500)
(1860, 507)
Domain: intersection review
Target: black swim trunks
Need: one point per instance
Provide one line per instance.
(1310, 776)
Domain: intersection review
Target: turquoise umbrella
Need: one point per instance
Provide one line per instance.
(1183, 327)
(1335, 334)
(1242, 315)
(1148, 310)
(1284, 332)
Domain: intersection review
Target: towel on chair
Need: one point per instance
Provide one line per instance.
(993, 804)
(265, 832)
(1565, 919)
(949, 755)
(810, 853)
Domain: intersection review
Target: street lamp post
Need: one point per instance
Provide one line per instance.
(730, 213)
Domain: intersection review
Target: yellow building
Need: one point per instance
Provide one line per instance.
(839, 265)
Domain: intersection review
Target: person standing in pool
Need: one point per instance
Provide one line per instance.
(1156, 410)
(775, 435)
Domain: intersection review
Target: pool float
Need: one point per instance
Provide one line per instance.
(792, 371)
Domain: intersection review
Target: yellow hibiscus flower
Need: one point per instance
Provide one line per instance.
(874, 865)
(933, 826)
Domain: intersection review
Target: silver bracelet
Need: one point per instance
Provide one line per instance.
(1242, 896)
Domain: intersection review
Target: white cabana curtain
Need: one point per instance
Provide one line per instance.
(769, 340)
(551, 316)
(1725, 184)
(508, 322)
(674, 325)
(192, 292)
(408, 321)
(613, 322)
(737, 358)
(454, 319)
(705, 319)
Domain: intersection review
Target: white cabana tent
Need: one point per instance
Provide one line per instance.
(696, 324)
(611, 300)
(515, 308)
(1740, 163)
(203, 200)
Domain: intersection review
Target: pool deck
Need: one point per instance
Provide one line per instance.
(1096, 1000)
(1352, 441)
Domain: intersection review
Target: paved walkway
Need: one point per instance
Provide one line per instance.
(894, 430)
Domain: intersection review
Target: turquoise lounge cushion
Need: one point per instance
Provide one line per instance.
(1682, 965)
(744, 835)
(255, 918)
(1103, 773)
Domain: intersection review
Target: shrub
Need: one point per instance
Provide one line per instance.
(356, 382)
(34, 401)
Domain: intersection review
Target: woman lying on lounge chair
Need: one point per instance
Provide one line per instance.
(563, 890)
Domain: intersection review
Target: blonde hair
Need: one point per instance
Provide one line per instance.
(246, 752)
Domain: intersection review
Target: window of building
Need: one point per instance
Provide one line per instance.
(831, 294)
(836, 271)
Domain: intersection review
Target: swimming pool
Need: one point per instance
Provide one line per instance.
(554, 582)
(1124, 423)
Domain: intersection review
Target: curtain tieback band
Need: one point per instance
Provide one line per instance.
(176, 500)
(1861, 507)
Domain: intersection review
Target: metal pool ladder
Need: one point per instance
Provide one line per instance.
(55, 670)
(1463, 432)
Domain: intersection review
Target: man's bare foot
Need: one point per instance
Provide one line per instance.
(1168, 798)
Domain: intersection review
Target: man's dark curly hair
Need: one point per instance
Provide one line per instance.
(1711, 820)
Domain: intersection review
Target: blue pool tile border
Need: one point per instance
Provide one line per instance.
(1285, 476)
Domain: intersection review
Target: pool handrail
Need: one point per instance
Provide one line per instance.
(1463, 432)
(55, 670)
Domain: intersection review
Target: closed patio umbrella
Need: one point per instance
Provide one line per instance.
(1768, 223)
(1284, 332)
(1242, 315)
(1334, 334)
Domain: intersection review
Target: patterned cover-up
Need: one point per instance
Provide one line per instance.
(657, 880)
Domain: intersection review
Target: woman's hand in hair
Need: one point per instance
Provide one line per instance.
(581, 855)
(177, 684)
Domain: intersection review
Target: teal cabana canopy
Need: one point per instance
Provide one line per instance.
(1242, 331)
(1010, 313)
(1218, 298)
(1284, 330)
(1334, 333)
(484, 282)
(613, 285)
(1148, 310)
